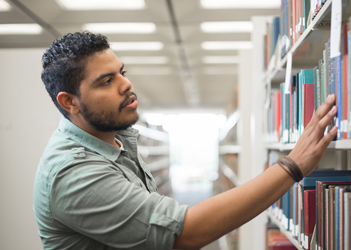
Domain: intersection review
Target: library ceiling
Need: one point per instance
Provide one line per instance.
(181, 71)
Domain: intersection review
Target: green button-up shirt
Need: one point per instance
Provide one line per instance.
(89, 194)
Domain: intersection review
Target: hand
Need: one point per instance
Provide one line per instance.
(312, 143)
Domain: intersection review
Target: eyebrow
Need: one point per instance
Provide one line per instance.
(102, 77)
(107, 75)
(122, 67)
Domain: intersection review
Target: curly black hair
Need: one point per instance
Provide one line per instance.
(64, 62)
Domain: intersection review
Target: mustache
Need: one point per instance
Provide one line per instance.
(127, 99)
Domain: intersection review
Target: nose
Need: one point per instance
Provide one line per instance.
(125, 85)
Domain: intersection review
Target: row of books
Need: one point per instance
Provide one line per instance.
(290, 111)
(276, 240)
(271, 41)
(294, 15)
(292, 106)
(317, 210)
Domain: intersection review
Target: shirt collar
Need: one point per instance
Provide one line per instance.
(89, 141)
(129, 132)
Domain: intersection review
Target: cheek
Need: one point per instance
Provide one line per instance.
(102, 99)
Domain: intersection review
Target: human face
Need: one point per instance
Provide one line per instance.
(107, 100)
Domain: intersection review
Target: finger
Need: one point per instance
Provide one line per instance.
(324, 142)
(325, 121)
(323, 109)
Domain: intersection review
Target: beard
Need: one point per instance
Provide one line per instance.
(108, 121)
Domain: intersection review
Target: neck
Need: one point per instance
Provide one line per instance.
(108, 137)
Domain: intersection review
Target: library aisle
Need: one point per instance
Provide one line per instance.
(191, 191)
(193, 144)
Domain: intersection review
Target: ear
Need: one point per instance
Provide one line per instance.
(68, 102)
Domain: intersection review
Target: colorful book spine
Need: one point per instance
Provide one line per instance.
(348, 125)
(338, 90)
(309, 216)
(345, 93)
(308, 89)
(307, 97)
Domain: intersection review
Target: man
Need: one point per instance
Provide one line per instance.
(93, 191)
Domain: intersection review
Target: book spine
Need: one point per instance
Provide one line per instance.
(309, 215)
(347, 220)
(345, 80)
(338, 87)
(348, 125)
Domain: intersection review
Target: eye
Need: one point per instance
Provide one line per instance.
(106, 82)
(124, 73)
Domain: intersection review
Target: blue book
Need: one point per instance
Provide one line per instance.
(275, 33)
(338, 94)
(295, 212)
(349, 85)
(309, 182)
(286, 209)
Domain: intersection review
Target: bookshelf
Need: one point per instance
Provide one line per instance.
(305, 53)
(238, 148)
(153, 146)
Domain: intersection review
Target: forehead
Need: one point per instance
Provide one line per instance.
(102, 62)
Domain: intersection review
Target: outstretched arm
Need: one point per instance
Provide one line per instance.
(215, 217)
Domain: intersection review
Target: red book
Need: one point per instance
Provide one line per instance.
(309, 213)
(307, 103)
(283, 246)
(279, 242)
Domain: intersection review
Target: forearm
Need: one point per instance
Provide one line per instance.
(213, 218)
(219, 215)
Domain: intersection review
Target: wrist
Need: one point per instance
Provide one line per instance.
(291, 168)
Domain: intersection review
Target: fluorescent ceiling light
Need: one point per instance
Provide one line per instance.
(101, 4)
(20, 29)
(223, 27)
(234, 45)
(149, 71)
(220, 59)
(4, 6)
(144, 59)
(240, 4)
(119, 46)
(120, 28)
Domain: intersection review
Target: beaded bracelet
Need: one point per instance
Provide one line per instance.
(294, 170)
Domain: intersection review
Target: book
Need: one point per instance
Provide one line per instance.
(338, 91)
(306, 10)
(346, 89)
(286, 210)
(307, 96)
(348, 125)
(347, 219)
(323, 216)
(309, 215)
(276, 240)
(310, 181)
(317, 89)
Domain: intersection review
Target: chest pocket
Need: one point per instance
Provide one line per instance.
(136, 180)
(149, 178)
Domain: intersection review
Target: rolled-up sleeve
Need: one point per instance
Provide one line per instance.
(99, 202)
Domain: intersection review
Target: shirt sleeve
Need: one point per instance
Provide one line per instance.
(99, 202)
